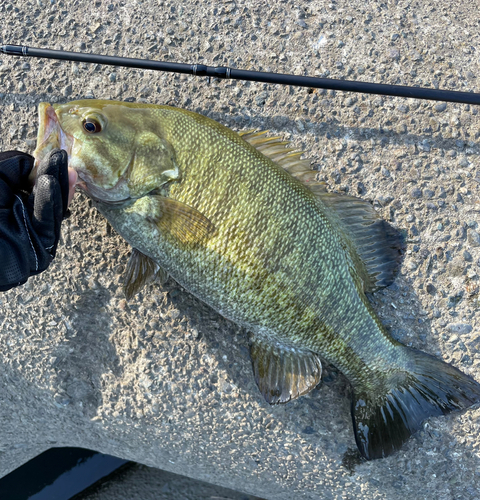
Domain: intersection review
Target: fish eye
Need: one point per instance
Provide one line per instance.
(92, 126)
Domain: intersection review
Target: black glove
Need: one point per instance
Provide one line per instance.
(30, 221)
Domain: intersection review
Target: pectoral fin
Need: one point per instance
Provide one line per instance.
(174, 219)
(283, 373)
(140, 271)
(181, 221)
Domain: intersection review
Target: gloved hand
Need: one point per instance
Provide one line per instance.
(30, 219)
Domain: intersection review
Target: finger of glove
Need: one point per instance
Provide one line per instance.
(47, 211)
(56, 165)
(14, 169)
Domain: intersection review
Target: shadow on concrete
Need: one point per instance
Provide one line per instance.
(86, 352)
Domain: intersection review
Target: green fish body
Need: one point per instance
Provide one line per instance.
(241, 222)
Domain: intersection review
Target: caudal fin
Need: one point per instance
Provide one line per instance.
(430, 387)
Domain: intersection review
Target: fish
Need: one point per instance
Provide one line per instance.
(241, 221)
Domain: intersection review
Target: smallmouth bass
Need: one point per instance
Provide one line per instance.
(240, 221)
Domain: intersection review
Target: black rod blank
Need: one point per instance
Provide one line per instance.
(253, 76)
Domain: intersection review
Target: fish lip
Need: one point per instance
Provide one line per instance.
(50, 134)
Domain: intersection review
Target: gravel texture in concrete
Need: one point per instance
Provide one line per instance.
(166, 381)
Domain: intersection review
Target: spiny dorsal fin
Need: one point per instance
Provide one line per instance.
(140, 271)
(277, 150)
(283, 373)
(377, 244)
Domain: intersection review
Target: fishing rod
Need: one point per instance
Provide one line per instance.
(252, 76)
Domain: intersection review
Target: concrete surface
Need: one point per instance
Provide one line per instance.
(166, 381)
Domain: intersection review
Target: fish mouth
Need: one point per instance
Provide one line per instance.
(50, 136)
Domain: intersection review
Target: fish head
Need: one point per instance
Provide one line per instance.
(118, 151)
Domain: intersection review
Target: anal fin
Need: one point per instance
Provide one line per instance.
(282, 372)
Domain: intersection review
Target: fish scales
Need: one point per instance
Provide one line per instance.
(288, 262)
(243, 189)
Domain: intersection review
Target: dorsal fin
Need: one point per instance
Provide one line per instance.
(287, 158)
(376, 248)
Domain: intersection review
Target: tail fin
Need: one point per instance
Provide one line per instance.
(430, 387)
